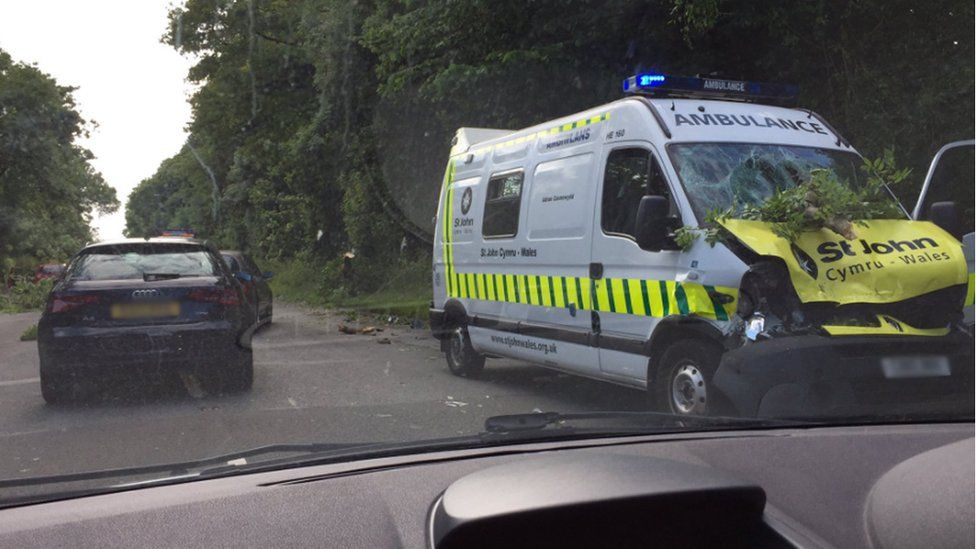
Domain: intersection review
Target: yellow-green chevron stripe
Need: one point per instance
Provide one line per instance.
(640, 297)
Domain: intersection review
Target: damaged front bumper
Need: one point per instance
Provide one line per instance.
(817, 375)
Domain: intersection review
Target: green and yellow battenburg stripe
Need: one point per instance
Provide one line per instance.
(447, 195)
(568, 126)
(652, 298)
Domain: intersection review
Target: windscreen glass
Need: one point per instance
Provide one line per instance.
(717, 176)
(136, 262)
(298, 231)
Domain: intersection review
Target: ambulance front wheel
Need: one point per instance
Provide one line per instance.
(462, 359)
(684, 378)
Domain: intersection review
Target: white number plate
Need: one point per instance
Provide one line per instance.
(915, 366)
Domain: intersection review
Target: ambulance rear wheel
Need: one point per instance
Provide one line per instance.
(462, 359)
(684, 377)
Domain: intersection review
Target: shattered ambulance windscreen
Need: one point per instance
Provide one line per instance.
(717, 176)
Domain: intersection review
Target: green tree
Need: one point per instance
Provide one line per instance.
(48, 188)
(886, 73)
(334, 118)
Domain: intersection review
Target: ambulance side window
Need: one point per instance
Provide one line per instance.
(502, 205)
(630, 175)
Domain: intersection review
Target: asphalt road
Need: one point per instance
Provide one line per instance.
(312, 383)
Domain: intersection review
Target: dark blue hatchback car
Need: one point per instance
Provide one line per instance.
(147, 308)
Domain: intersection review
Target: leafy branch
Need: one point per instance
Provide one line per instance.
(823, 201)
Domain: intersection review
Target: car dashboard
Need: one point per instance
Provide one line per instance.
(852, 486)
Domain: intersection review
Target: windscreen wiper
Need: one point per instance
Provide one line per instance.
(180, 469)
(631, 420)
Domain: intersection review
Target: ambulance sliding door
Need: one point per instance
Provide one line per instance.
(545, 282)
(631, 286)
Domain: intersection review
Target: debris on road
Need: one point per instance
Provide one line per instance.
(383, 340)
(365, 330)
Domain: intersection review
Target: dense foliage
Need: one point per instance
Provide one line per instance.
(322, 126)
(24, 294)
(48, 188)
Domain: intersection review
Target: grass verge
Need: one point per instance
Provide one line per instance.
(402, 289)
(24, 296)
(30, 334)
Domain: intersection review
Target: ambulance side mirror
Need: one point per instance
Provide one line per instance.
(946, 215)
(654, 226)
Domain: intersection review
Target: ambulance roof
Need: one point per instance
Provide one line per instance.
(686, 120)
(699, 120)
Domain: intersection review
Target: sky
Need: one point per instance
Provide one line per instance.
(130, 83)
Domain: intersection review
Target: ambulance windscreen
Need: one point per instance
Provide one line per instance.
(717, 176)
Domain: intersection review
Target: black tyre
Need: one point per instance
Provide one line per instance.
(241, 378)
(683, 384)
(56, 389)
(235, 376)
(462, 359)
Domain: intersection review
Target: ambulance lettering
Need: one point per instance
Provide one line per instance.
(501, 253)
(725, 85)
(748, 120)
(833, 251)
(579, 136)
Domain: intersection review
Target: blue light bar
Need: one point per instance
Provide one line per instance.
(661, 85)
(181, 233)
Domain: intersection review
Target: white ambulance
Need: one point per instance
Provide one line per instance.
(555, 245)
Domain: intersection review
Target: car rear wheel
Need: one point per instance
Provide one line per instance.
(683, 384)
(235, 376)
(462, 359)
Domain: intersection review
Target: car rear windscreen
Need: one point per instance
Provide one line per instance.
(134, 261)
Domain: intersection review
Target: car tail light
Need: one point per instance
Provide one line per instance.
(62, 303)
(223, 296)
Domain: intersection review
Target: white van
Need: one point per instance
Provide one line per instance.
(554, 245)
